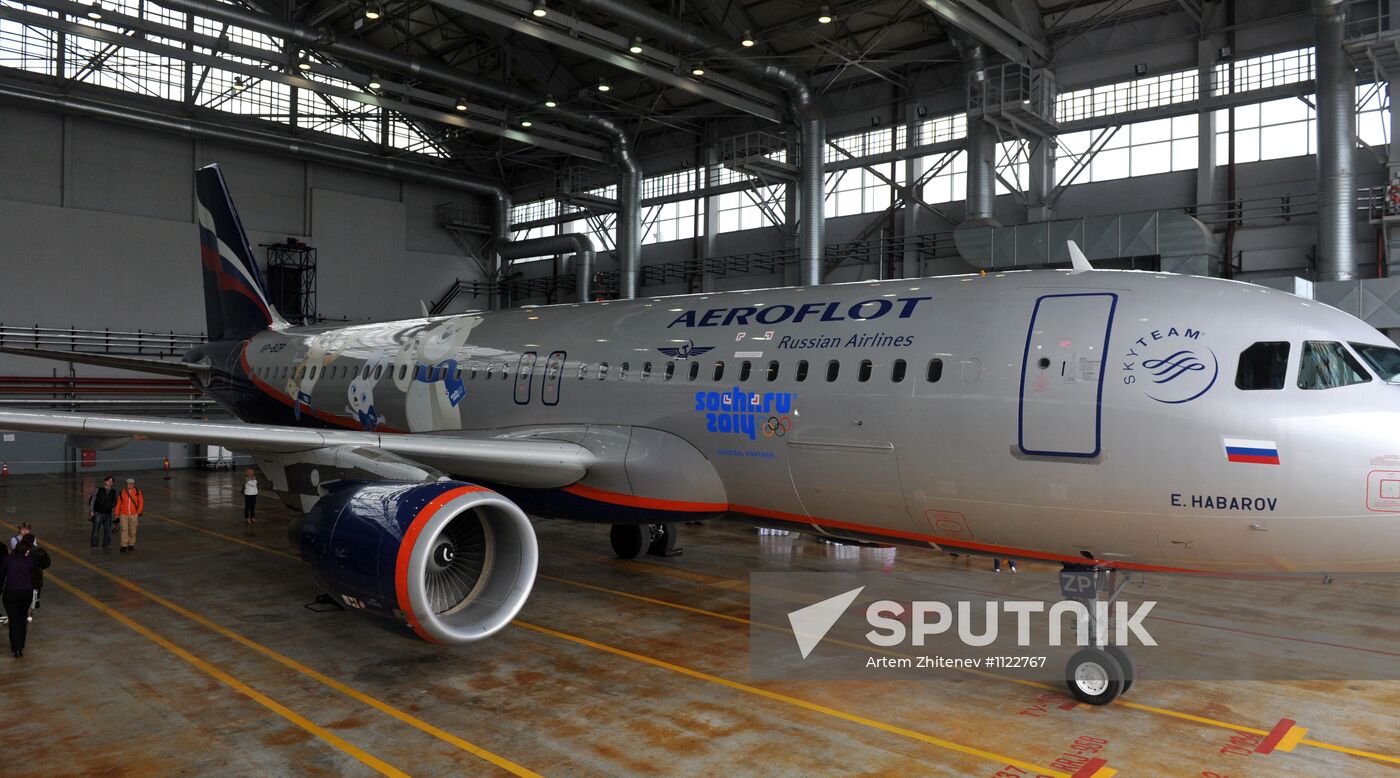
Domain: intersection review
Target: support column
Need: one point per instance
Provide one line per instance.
(1205, 123)
(1042, 181)
(913, 168)
(1336, 145)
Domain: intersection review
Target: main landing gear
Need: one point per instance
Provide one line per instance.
(630, 540)
(1096, 674)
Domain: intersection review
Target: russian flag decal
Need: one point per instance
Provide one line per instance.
(1255, 452)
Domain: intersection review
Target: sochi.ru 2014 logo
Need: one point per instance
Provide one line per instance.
(1171, 365)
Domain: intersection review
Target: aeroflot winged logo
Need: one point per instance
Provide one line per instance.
(685, 350)
(743, 315)
(1171, 365)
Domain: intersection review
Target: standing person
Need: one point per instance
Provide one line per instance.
(130, 505)
(100, 509)
(41, 563)
(250, 497)
(18, 576)
(24, 530)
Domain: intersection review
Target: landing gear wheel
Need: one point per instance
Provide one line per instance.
(629, 540)
(663, 540)
(1094, 677)
(1125, 661)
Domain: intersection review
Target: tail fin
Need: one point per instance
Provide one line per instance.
(235, 299)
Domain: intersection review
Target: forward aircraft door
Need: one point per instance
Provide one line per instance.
(1062, 374)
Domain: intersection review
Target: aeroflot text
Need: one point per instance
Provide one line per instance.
(929, 617)
(864, 310)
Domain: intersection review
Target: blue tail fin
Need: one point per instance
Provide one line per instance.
(235, 298)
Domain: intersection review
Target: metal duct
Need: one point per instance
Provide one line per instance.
(1184, 244)
(981, 145)
(323, 39)
(812, 184)
(575, 243)
(1336, 143)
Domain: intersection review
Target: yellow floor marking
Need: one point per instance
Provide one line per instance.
(230, 538)
(1181, 715)
(812, 706)
(1291, 740)
(370, 761)
(383, 707)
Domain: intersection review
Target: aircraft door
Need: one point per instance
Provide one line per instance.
(553, 375)
(1062, 374)
(525, 377)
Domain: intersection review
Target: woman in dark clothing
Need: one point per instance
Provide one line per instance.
(18, 571)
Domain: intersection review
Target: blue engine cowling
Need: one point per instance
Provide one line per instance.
(448, 562)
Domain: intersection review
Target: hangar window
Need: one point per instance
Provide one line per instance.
(670, 370)
(646, 370)
(745, 369)
(622, 371)
(694, 370)
(802, 370)
(935, 370)
(602, 370)
(1262, 366)
(672, 221)
(897, 371)
(866, 368)
(833, 369)
(751, 208)
(719, 371)
(773, 370)
(1384, 360)
(1327, 365)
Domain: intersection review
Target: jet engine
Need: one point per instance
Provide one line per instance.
(448, 562)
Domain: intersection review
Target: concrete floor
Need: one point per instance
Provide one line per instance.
(195, 656)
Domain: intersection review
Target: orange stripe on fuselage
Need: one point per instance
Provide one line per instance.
(653, 503)
(410, 538)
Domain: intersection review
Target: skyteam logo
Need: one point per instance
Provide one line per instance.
(686, 350)
(1171, 365)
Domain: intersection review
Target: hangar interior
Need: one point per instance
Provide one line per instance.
(396, 157)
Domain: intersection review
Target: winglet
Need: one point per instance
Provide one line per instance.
(423, 304)
(1077, 259)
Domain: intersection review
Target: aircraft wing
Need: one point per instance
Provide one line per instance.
(139, 364)
(533, 463)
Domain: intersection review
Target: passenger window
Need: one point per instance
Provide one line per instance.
(670, 370)
(1262, 366)
(745, 368)
(1327, 365)
(432, 374)
(833, 369)
(474, 366)
(378, 372)
(505, 371)
(582, 370)
(602, 370)
(719, 371)
(403, 371)
(694, 370)
(622, 371)
(457, 376)
(646, 370)
(802, 370)
(897, 372)
(773, 370)
(866, 368)
(935, 370)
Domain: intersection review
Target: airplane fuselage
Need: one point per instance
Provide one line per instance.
(1030, 414)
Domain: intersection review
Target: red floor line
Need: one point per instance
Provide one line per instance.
(1266, 746)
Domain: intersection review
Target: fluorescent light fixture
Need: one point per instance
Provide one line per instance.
(747, 41)
(239, 84)
(604, 86)
(636, 47)
(303, 62)
(526, 123)
(550, 103)
(374, 81)
(698, 69)
(825, 16)
(373, 11)
(461, 104)
(538, 10)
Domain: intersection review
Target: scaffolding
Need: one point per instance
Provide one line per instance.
(291, 280)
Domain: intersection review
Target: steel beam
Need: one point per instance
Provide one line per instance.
(990, 28)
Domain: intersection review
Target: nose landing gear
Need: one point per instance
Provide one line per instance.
(630, 540)
(1098, 674)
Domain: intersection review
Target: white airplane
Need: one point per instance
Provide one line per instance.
(1114, 420)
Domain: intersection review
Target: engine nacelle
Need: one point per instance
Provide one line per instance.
(447, 562)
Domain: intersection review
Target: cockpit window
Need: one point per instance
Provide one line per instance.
(1327, 365)
(1384, 360)
(1262, 366)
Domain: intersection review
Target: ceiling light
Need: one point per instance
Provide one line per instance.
(373, 11)
(550, 103)
(461, 104)
(636, 47)
(538, 11)
(747, 41)
(303, 62)
(239, 84)
(825, 16)
(374, 81)
(94, 11)
(604, 86)
(526, 123)
(698, 69)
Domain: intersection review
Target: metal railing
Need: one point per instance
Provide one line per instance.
(71, 393)
(138, 342)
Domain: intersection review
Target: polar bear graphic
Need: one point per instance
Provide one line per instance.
(321, 351)
(426, 371)
(360, 393)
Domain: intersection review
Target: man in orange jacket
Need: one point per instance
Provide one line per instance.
(130, 505)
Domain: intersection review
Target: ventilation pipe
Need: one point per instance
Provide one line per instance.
(1336, 136)
(812, 180)
(575, 243)
(323, 39)
(981, 143)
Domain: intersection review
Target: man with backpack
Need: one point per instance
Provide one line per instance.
(130, 505)
(101, 506)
